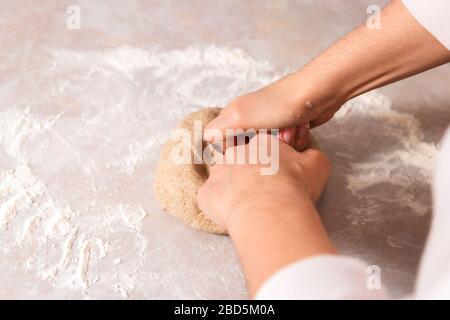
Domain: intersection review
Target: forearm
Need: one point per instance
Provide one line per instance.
(369, 58)
(363, 60)
(268, 239)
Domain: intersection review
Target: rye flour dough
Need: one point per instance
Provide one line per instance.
(176, 185)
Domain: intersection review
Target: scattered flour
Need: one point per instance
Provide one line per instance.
(45, 223)
(100, 245)
(76, 213)
(400, 171)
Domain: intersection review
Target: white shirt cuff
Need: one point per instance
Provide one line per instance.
(433, 15)
(321, 277)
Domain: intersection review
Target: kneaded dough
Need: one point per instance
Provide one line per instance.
(176, 185)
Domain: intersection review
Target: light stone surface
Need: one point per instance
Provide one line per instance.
(84, 113)
(176, 181)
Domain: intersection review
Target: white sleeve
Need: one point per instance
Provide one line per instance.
(434, 16)
(434, 273)
(321, 277)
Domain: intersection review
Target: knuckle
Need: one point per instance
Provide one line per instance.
(297, 114)
(303, 113)
(235, 110)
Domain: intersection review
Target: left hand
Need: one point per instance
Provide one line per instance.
(237, 189)
(271, 219)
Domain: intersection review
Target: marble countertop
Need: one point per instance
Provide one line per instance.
(85, 105)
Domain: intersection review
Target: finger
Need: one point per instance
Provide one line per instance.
(289, 135)
(252, 111)
(302, 138)
(231, 117)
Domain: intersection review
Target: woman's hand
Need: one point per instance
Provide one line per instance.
(292, 104)
(271, 218)
(363, 60)
(235, 189)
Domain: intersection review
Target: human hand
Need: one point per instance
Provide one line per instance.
(272, 220)
(235, 189)
(291, 104)
(363, 60)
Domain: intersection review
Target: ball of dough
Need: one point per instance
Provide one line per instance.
(176, 185)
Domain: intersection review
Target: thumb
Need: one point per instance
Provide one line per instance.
(289, 135)
(271, 107)
(227, 119)
(251, 111)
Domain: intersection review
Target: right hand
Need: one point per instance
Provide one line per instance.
(286, 104)
(271, 219)
(240, 189)
(363, 60)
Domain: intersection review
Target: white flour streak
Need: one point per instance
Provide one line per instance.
(399, 173)
(45, 223)
(85, 253)
(76, 210)
(18, 190)
(123, 100)
(17, 126)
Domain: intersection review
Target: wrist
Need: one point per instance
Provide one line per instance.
(270, 238)
(248, 213)
(320, 87)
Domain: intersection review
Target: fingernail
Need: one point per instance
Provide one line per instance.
(285, 136)
(288, 135)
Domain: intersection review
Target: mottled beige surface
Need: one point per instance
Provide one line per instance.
(176, 184)
(114, 110)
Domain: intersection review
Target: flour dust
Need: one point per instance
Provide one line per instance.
(77, 156)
